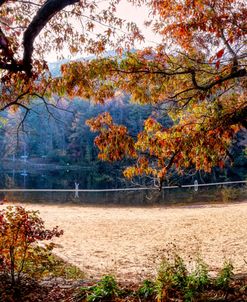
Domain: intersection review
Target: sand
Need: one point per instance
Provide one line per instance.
(130, 242)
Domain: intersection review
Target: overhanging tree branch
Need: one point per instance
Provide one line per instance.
(43, 16)
(16, 101)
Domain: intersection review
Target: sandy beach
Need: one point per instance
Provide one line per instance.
(130, 242)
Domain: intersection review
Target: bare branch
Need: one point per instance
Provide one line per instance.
(43, 16)
(16, 101)
(21, 124)
(47, 105)
(228, 46)
(168, 167)
(148, 71)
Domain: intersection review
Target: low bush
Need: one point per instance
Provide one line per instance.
(105, 290)
(174, 279)
(174, 282)
(20, 231)
(230, 194)
(146, 292)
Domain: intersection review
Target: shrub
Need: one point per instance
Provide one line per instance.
(224, 276)
(172, 274)
(174, 280)
(20, 229)
(147, 290)
(196, 281)
(105, 290)
(230, 194)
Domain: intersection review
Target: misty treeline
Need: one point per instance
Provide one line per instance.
(56, 133)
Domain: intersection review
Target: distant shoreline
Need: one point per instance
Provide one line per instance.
(34, 164)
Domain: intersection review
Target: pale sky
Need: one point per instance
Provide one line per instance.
(138, 15)
(129, 13)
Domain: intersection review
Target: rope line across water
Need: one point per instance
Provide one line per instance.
(125, 189)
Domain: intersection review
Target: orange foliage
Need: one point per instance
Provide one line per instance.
(114, 141)
(200, 82)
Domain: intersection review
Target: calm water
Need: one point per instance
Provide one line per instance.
(56, 179)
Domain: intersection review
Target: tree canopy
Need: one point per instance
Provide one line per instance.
(197, 74)
(31, 30)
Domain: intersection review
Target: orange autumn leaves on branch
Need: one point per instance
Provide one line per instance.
(197, 75)
(200, 23)
(157, 149)
(114, 141)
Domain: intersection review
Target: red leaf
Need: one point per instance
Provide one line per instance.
(217, 64)
(220, 53)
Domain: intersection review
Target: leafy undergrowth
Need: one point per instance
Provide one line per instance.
(172, 283)
(57, 281)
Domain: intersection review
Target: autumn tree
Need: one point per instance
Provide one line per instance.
(197, 74)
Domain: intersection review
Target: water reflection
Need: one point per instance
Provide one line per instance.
(58, 179)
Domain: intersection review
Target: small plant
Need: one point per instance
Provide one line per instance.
(147, 290)
(172, 274)
(196, 281)
(174, 280)
(105, 290)
(224, 276)
(48, 264)
(70, 271)
(20, 230)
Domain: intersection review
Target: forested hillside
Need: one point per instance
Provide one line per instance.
(56, 134)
